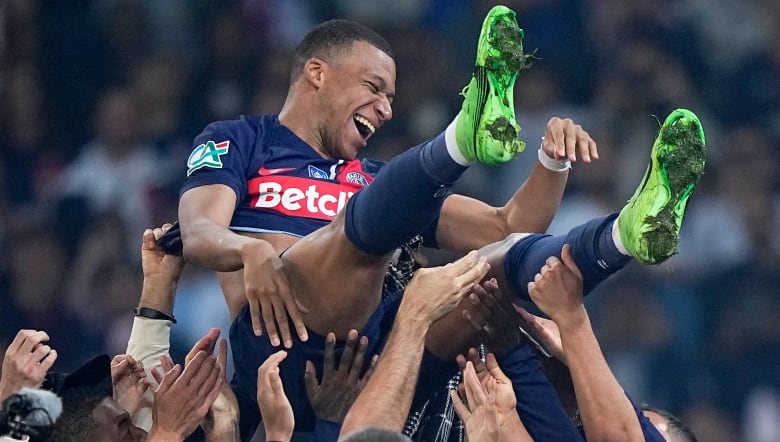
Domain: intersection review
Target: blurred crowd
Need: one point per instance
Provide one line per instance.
(101, 100)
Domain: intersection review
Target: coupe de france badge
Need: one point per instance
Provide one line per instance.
(207, 155)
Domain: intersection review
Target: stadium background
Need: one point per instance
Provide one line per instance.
(100, 100)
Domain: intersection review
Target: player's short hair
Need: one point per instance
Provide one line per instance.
(332, 38)
(677, 429)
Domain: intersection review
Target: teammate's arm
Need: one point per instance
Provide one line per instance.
(607, 413)
(204, 215)
(466, 223)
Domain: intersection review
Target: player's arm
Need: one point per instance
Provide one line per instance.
(606, 412)
(204, 215)
(467, 224)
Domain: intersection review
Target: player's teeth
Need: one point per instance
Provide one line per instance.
(366, 123)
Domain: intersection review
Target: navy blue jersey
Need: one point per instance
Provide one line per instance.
(282, 185)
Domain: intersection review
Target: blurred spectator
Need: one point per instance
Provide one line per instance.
(117, 168)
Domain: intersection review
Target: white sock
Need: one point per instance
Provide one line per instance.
(452, 144)
(616, 238)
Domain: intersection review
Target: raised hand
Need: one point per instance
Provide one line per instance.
(434, 292)
(184, 397)
(493, 317)
(340, 385)
(275, 408)
(490, 410)
(270, 296)
(129, 381)
(563, 139)
(154, 262)
(26, 362)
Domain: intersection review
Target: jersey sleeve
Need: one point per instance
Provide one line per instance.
(221, 154)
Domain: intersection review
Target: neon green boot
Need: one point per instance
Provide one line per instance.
(486, 130)
(650, 223)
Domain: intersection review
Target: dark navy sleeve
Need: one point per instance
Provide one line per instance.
(222, 154)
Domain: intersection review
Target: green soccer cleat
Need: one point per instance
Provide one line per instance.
(486, 130)
(650, 223)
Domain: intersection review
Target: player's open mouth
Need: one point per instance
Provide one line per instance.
(364, 126)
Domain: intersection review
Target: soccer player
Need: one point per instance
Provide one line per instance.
(337, 271)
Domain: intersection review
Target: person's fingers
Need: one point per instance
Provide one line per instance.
(255, 310)
(568, 261)
(31, 339)
(276, 383)
(267, 311)
(583, 142)
(461, 361)
(473, 274)
(570, 140)
(358, 359)
(148, 240)
(349, 352)
(494, 368)
(193, 367)
(282, 321)
(166, 362)
(310, 379)
(272, 361)
(168, 378)
(222, 353)
(329, 357)
(294, 311)
(460, 408)
(475, 396)
(48, 361)
(556, 136)
(205, 344)
(205, 383)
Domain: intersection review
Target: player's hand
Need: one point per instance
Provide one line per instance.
(434, 292)
(26, 362)
(184, 396)
(275, 408)
(478, 413)
(154, 262)
(493, 316)
(269, 295)
(332, 398)
(129, 382)
(547, 332)
(557, 288)
(565, 139)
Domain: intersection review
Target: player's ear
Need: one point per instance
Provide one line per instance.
(314, 71)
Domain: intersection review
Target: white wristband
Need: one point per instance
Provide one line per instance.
(553, 164)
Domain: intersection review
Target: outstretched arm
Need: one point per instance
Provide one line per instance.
(466, 223)
(606, 412)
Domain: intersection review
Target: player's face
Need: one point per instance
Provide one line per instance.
(114, 424)
(357, 94)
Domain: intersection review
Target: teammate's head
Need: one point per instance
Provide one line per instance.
(345, 73)
(670, 427)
